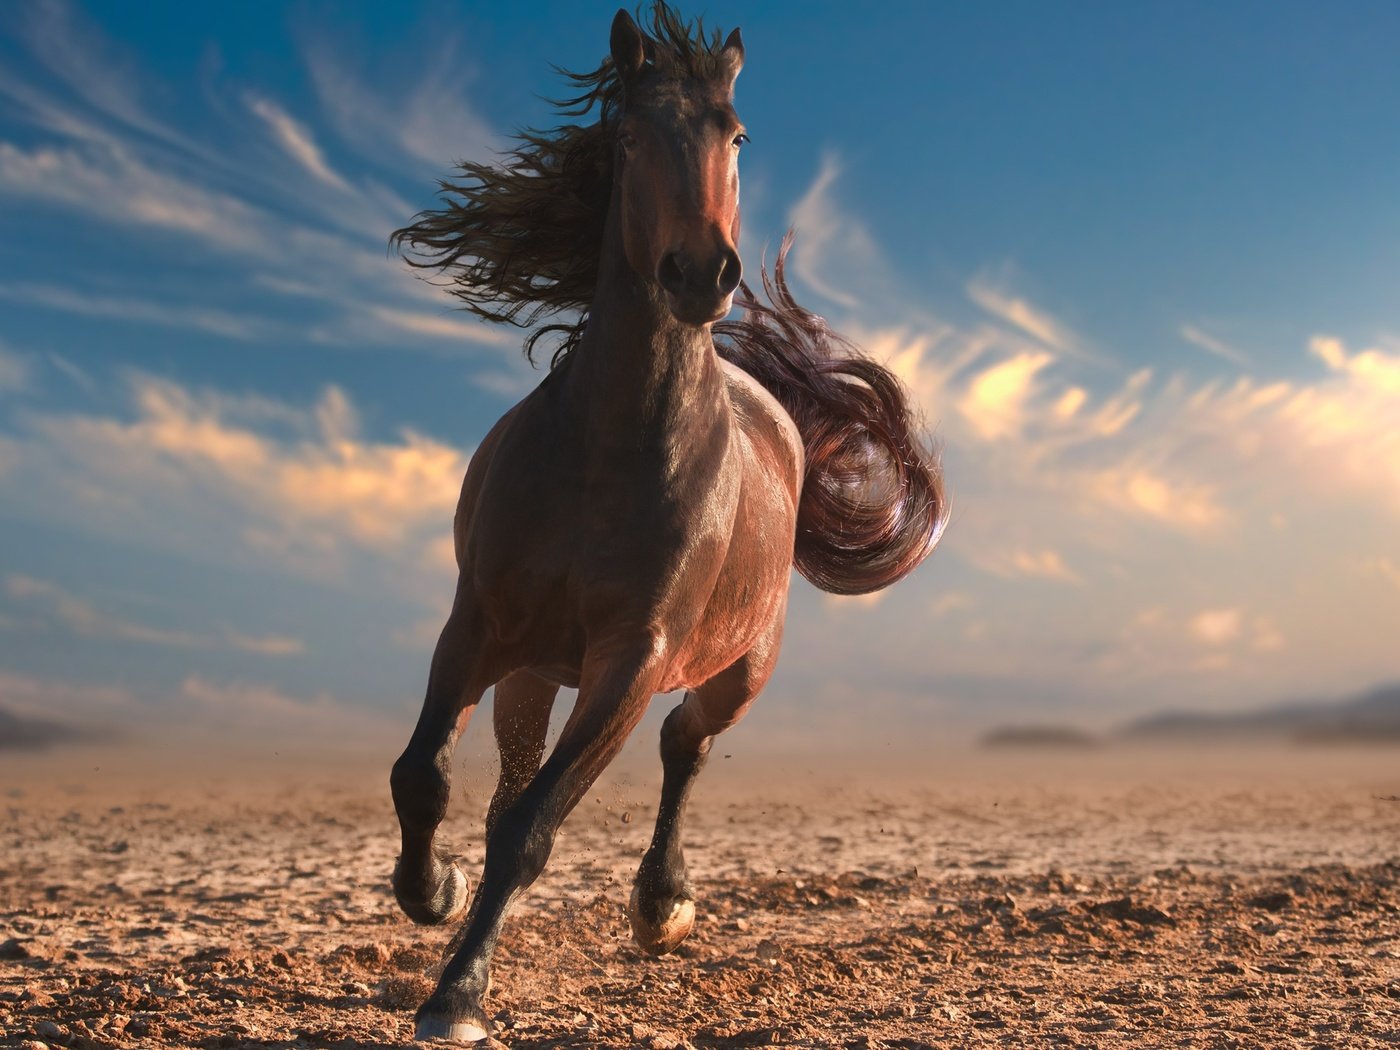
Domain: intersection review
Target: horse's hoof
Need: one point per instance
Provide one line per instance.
(447, 904)
(434, 1029)
(661, 938)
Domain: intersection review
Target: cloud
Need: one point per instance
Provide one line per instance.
(1371, 370)
(994, 403)
(198, 709)
(1211, 345)
(1216, 626)
(834, 241)
(118, 164)
(946, 604)
(1384, 568)
(454, 329)
(848, 602)
(15, 372)
(1044, 563)
(1135, 489)
(81, 617)
(296, 140)
(421, 108)
(990, 293)
(109, 183)
(298, 485)
(87, 304)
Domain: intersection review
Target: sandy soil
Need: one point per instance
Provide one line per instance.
(1114, 899)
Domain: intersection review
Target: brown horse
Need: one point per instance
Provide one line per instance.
(628, 528)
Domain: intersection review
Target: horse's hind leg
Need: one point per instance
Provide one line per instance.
(662, 908)
(429, 886)
(520, 713)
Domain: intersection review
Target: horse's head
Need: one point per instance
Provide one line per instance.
(677, 171)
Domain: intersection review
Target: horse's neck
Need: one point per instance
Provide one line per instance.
(640, 374)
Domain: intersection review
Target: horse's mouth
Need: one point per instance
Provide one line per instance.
(697, 310)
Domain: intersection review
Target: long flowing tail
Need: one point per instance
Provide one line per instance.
(872, 504)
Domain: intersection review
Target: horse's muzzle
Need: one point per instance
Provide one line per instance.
(699, 293)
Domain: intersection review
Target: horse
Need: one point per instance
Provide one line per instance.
(629, 527)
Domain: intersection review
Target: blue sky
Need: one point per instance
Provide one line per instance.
(1137, 264)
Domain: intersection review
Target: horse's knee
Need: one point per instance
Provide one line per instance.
(421, 789)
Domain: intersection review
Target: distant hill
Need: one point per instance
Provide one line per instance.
(29, 733)
(1373, 716)
(1038, 737)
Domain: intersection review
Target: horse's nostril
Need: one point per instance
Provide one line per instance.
(670, 274)
(730, 271)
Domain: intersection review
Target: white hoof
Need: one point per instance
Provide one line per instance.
(666, 936)
(439, 1030)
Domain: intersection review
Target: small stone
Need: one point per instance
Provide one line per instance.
(48, 1030)
(626, 818)
(768, 950)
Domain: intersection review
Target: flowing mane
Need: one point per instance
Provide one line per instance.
(519, 241)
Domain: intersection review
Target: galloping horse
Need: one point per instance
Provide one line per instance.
(628, 528)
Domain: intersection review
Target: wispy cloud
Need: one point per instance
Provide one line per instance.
(1043, 563)
(15, 371)
(989, 292)
(88, 304)
(82, 617)
(442, 326)
(1212, 345)
(297, 141)
(835, 246)
(103, 156)
(423, 109)
(241, 711)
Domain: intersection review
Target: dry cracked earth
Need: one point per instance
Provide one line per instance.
(1038, 901)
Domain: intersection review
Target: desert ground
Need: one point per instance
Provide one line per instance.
(1100, 898)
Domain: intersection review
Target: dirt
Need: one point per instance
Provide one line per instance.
(1010, 901)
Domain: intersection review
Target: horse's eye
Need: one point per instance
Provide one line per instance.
(740, 139)
(627, 142)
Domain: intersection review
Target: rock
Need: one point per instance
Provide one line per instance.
(1125, 909)
(1279, 901)
(14, 949)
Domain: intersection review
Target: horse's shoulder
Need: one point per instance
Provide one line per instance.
(764, 419)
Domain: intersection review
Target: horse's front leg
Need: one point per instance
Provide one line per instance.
(428, 884)
(613, 695)
(662, 907)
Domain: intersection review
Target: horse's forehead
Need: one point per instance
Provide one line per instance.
(682, 97)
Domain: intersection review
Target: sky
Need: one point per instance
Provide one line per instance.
(1137, 264)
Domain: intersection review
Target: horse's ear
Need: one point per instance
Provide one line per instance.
(628, 46)
(731, 56)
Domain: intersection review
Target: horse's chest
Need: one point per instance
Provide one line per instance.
(750, 589)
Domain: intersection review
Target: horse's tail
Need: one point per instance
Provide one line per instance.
(872, 504)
